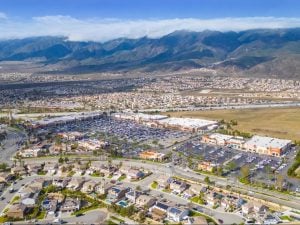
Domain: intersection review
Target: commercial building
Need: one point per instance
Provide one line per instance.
(206, 166)
(216, 139)
(31, 152)
(267, 145)
(185, 124)
(258, 144)
(152, 155)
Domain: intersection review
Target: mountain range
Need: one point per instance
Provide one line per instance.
(265, 52)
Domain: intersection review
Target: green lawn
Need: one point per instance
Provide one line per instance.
(15, 199)
(70, 174)
(41, 215)
(116, 218)
(286, 217)
(122, 177)
(198, 200)
(154, 185)
(193, 213)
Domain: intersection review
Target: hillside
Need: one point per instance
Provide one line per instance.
(274, 53)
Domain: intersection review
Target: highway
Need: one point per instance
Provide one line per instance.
(250, 106)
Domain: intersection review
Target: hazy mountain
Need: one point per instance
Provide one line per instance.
(266, 52)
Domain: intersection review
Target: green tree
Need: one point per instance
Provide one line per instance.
(61, 160)
(207, 180)
(231, 165)
(245, 173)
(220, 171)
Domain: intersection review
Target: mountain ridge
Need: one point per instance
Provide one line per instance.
(273, 52)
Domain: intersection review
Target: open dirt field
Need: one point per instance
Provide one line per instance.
(276, 122)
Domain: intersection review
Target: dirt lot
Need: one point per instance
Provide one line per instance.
(275, 122)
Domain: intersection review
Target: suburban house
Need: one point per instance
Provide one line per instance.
(29, 191)
(135, 174)
(50, 205)
(107, 169)
(94, 166)
(34, 168)
(89, 186)
(258, 207)
(102, 187)
(75, 184)
(30, 199)
(50, 168)
(60, 182)
(18, 170)
(193, 190)
(247, 208)
(163, 181)
(145, 200)
(132, 195)
(158, 211)
(198, 220)
(79, 169)
(40, 183)
(178, 186)
(70, 205)
(212, 199)
(17, 211)
(177, 214)
(116, 193)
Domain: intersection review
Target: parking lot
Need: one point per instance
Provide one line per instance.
(129, 137)
(263, 168)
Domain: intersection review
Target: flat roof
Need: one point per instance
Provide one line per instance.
(268, 142)
(188, 122)
(142, 116)
(222, 137)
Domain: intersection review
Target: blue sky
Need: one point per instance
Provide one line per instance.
(102, 20)
(132, 9)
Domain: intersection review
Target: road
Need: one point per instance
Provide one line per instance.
(9, 196)
(10, 145)
(250, 106)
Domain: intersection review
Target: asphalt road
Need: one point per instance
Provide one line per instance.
(9, 196)
(10, 144)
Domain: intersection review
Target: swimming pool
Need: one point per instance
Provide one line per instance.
(122, 203)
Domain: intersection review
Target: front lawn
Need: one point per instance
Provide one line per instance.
(198, 200)
(154, 185)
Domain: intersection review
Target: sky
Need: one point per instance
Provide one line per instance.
(102, 20)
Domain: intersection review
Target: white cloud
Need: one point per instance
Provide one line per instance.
(3, 16)
(106, 29)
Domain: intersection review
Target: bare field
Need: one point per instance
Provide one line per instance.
(275, 122)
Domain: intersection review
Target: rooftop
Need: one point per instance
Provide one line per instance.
(268, 142)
